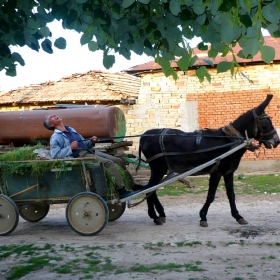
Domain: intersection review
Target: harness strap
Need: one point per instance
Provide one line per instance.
(198, 138)
(229, 130)
(165, 154)
(161, 143)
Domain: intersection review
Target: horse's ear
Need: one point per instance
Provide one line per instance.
(260, 109)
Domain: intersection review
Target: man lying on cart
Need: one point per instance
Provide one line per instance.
(66, 142)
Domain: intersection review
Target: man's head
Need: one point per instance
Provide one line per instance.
(51, 121)
(47, 123)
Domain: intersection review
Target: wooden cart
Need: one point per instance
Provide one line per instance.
(83, 188)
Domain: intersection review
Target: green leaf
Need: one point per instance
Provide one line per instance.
(125, 53)
(73, 14)
(60, 43)
(17, 57)
(246, 20)
(193, 60)
(59, 12)
(85, 39)
(45, 31)
(144, 1)
(271, 13)
(171, 72)
(185, 15)
(229, 33)
(19, 38)
(4, 49)
(224, 66)
(212, 54)
(183, 63)
(92, 46)
(41, 10)
(47, 46)
(198, 7)
(272, 28)
(61, 2)
(81, 1)
(138, 48)
(33, 25)
(250, 47)
(175, 7)
(202, 73)
(108, 61)
(268, 53)
(202, 47)
(127, 3)
(12, 72)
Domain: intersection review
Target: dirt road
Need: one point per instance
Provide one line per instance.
(134, 248)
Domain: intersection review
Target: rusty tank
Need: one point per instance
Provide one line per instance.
(26, 127)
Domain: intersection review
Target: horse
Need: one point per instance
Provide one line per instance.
(172, 150)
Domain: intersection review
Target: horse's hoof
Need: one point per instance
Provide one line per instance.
(158, 222)
(162, 219)
(242, 221)
(203, 224)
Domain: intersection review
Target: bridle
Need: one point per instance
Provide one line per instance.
(258, 126)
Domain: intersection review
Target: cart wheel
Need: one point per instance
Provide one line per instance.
(34, 212)
(87, 213)
(116, 210)
(9, 215)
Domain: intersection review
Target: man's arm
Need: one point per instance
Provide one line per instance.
(58, 150)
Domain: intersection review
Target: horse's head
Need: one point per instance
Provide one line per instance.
(264, 130)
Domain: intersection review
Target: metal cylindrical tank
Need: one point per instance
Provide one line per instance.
(26, 127)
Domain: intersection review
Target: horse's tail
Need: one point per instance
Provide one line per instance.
(139, 157)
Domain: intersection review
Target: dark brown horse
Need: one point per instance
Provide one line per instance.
(177, 151)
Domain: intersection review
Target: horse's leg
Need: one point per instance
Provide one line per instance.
(152, 199)
(213, 184)
(231, 197)
(151, 208)
(159, 208)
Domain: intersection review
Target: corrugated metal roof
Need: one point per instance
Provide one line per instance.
(89, 86)
(202, 56)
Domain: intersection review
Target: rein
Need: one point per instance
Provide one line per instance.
(151, 135)
(193, 152)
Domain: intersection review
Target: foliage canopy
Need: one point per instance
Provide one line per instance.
(158, 28)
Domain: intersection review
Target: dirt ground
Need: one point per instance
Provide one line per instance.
(224, 250)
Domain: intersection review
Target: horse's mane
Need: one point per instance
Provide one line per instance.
(244, 116)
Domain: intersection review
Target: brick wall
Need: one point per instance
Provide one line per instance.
(187, 104)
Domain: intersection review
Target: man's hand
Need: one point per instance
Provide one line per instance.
(94, 139)
(74, 145)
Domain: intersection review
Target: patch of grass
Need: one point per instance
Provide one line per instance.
(244, 184)
(146, 269)
(94, 248)
(170, 267)
(32, 264)
(277, 243)
(230, 267)
(271, 257)
(209, 244)
(28, 249)
(190, 244)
